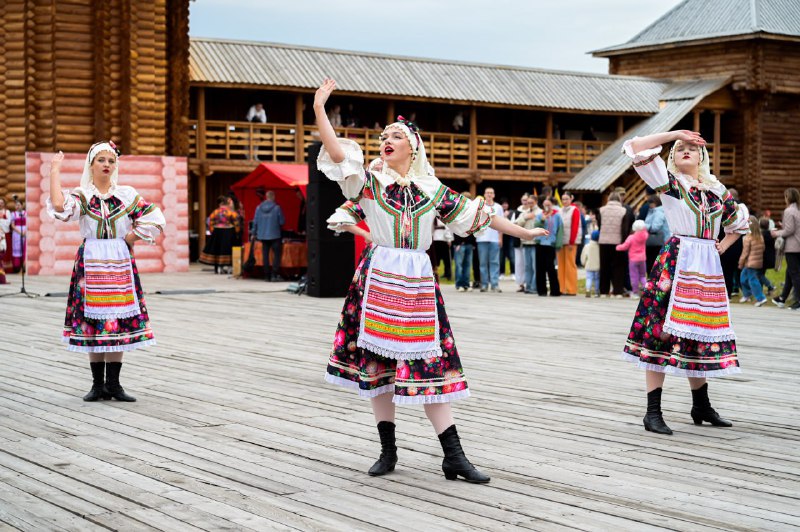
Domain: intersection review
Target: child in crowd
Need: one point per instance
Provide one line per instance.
(636, 246)
(769, 253)
(590, 259)
(750, 262)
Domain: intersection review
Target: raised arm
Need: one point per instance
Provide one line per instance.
(56, 194)
(499, 223)
(326, 132)
(657, 139)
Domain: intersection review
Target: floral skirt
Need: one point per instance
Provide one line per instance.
(103, 335)
(424, 380)
(674, 355)
(219, 247)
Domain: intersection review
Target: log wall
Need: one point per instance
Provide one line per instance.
(77, 71)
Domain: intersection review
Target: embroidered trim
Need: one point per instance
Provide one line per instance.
(645, 162)
(107, 348)
(672, 370)
(423, 399)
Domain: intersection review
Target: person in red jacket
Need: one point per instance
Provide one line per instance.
(573, 235)
(636, 246)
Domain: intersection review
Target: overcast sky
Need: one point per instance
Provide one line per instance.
(552, 34)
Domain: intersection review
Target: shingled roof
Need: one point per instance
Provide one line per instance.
(701, 20)
(677, 101)
(225, 62)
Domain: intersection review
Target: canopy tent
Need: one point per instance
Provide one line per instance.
(285, 180)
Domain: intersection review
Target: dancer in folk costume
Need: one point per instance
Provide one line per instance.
(19, 235)
(394, 343)
(106, 313)
(682, 325)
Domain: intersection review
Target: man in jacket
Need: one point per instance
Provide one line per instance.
(267, 228)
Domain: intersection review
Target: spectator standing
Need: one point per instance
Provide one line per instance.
(509, 242)
(768, 262)
(224, 225)
(730, 259)
(657, 230)
(267, 229)
(519, 257)
(463, 247)
(613, 263)
(527, 219)
(790, 232)
(550, 220)
(590, 258)
(458, 122)
(257, 114)
(489, 242)
(573, 233)
(635, 245)
(19, 234)
(750, 262)
(5, 235)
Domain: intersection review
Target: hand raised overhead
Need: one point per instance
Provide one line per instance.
(324, 92)
(689, 136)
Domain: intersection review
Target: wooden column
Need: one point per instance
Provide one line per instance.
(390, 116)
(473, 140)
(717, 136)
(473, 188)
(201, 129)
(299, 130)
(696, 121)
(548, 145)
(620, 127)
(202, 175)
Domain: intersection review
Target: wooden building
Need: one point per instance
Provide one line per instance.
(753, 47)
(77, 71)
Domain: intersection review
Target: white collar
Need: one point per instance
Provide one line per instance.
(94, 192)
(403, 181)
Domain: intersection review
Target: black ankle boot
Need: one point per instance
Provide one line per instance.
(702, 411)
(455, 463)
(98, 389)
(112, 383)
(388, 458)
(653, 420)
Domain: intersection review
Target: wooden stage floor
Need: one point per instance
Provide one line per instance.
(235, 428)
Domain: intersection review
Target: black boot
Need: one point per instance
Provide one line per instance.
(653, 420)
(98, 389)
(112, 383)
(388, 458)
(455, 463)
(702, 411)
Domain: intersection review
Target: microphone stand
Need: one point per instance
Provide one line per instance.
(22, 290)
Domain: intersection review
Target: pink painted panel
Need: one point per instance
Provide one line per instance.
(161, 180)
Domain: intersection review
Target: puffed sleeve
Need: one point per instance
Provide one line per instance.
(148, 220)
(735, 216)
(649, 165)
(349, 173)
(349, 213)
(461, 215)
(73, 207)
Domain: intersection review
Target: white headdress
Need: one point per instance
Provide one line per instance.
(705, 179)
(87, 182)
(419, 160)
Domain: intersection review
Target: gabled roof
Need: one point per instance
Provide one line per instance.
(217, 61)
(699, 20)
(677, 100)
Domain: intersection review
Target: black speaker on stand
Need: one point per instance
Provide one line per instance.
(331, 257)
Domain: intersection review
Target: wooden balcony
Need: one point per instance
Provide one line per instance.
(494, 156)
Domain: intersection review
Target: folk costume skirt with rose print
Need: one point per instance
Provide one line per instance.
(675, 355)
(436, 379)
(109, 334)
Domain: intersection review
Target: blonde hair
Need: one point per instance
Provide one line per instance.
(638, 225)
(755, 230)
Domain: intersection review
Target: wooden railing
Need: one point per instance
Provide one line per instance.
(276, 143)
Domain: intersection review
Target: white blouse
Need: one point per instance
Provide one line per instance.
(403, 217)
(104, 219)
(692, 209)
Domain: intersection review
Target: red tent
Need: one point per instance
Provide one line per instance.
(284, 179)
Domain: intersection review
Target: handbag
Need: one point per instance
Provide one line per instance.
(250, 263)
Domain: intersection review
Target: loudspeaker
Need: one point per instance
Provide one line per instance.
(330, 256)
(330, 266)
(323, 196)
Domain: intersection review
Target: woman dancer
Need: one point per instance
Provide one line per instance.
(19, 233)
(394, 343)
(106, 313)
(682, 325)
